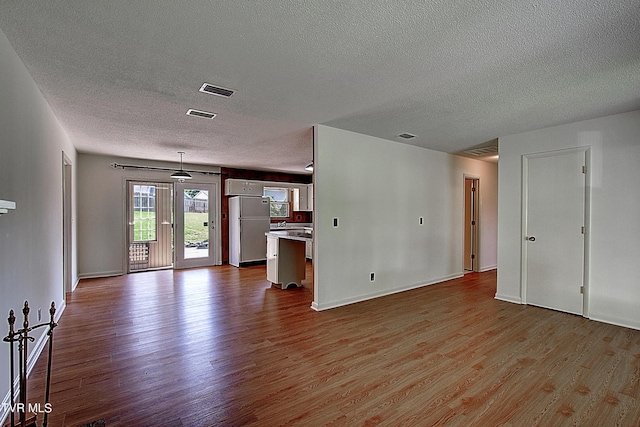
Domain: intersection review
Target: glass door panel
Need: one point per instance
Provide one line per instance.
(195, 225)
(150, 236)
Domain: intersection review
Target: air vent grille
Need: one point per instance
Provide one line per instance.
(482, 151)
(406, 135)
(198, 113)
(217, 90)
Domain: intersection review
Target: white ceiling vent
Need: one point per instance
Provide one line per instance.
(484, 151)
(406, 135)
(487, 149)
(217, 90)
(198, 113)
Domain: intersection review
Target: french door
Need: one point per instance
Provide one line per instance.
(150, 234)
(195, 225)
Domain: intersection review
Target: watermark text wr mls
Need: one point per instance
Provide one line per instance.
(36, 408)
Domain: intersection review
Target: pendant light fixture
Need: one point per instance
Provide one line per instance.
(180, 175)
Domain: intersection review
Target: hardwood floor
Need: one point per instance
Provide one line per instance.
(219, 346)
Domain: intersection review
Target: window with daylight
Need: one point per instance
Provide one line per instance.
(279, 199)
(144, 213)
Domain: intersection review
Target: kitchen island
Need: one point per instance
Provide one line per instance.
(286, 260)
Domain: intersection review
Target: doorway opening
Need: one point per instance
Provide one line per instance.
(471, 224)
(67, 227)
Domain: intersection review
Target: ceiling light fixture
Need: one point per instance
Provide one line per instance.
(181, 175)
(309, 167)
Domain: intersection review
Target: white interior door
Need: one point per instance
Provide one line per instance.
(554, 187)
(195, 225)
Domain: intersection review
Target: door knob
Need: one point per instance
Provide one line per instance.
(531, 238)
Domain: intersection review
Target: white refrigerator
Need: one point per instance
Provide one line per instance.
(248, 222)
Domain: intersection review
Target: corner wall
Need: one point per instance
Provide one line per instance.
(613, 293)
(32, 144)
(378, 189)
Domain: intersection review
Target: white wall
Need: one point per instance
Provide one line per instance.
(32, 142)
(378, 189)
(613, 290)
(102, 209)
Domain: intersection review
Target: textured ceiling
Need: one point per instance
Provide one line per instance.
(120, 75)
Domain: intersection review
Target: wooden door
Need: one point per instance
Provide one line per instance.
(471, 224)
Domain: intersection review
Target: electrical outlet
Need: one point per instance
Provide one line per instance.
(372, 277)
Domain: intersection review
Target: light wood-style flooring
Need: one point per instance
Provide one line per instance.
(220, 346)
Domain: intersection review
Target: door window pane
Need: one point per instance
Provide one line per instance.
(144, 213)
(196, 224)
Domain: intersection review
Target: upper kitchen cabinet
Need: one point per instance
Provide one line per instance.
(302, 198)
(242, 187)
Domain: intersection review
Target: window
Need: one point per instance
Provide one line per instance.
(144, 213)
(279, 199)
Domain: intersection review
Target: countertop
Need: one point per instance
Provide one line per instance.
(291, 235)
(291, 226)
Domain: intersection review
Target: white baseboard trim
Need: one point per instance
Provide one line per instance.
(360, 298)
(615, 320)
(508, 298)
(36, 350)
(100, 274)
(60, 310)
(488, 268)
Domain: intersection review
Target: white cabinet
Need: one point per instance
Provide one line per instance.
(285, 261)
(309, 249)
(272, 259)
(242, 187)
(302, 197)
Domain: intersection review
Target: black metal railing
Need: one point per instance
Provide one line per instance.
(22, 337)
